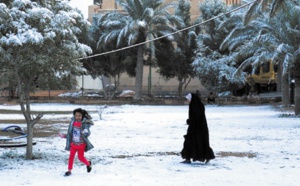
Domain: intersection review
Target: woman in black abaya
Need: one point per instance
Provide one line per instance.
(196, 141)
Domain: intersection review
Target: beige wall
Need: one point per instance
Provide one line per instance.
(194, 8)
(158, 83)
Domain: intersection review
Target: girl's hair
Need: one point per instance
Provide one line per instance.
(83, 112)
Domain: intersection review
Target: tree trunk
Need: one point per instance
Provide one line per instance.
(30, 126)
(183, 83)
(118, 81)
(186, 83)
(24, 99)
(150, 81)
(180, 87)
(26, 113)
(285, 90)
(279, 78)
(29, 155)
(139, 73)
(297, 95)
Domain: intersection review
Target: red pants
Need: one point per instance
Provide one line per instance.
(80, 150)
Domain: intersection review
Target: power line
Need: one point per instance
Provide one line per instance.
(173, 33)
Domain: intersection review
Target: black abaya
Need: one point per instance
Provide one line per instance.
(196, 141)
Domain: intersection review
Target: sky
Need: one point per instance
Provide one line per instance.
(140, 145)
(82, 5)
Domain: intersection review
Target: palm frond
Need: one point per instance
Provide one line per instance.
(266, 40)
(109, 37)
(264, 5)
(175, 20)
(280, 52)
(159, 20)
(262, 24)
(252, 12)
(143, 17)
(283, 48)
(133, 38)
(234, 21)
(243, 66)
(236, 38)
(192, 39)
(247, 51)
(147, 14)
(166, 7)
(124, 32)
(288, 63)
(262, 57)
(130, 7)
(138, 8)
(277, 6)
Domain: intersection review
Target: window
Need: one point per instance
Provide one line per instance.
(97, 1)
(266, 67)
(275, 68)
(256, 70)
(232, 2)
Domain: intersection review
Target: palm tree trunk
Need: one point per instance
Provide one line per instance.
(285, 90)
(297, 95)
(139, 73)
(279, 77)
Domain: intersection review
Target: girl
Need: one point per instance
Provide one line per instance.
(77, 138)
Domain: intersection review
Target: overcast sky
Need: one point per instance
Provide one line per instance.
(82, 5)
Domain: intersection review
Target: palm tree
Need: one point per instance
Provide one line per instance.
(144, 18)
(286, 12)
(252, 44)
(211, 64)
(113, 64)
(180, 55)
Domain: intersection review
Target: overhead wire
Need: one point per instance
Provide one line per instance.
(167, 35)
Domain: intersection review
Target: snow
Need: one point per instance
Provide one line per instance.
(140, 145)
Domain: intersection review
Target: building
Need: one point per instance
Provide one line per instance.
(88, 82)
(103, 6)
(159, 84)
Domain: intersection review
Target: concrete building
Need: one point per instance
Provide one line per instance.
(103, 6)
(159, 84)
(88, 82)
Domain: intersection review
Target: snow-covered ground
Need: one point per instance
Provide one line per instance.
(140, 145)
